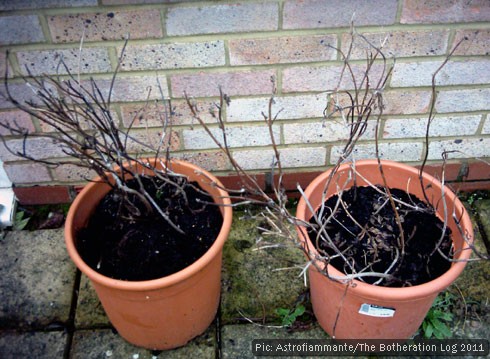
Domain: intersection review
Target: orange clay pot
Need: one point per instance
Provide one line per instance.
(163, 313)
(402, 310)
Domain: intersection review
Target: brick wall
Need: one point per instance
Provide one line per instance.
(194, 46)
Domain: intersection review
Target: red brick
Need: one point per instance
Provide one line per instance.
(205, 84)
(282, 50)
(444, 11)
(43, 195)
(15, 119)
(27, 173)
(402, 102)
(309, 14)
(234, 182)
(470, 186)
(399, 43)
(109, 25)
(477, 42)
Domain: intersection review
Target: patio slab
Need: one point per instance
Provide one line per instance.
(89, 313)
(105, 343)
(37, 280)
(39, 345)
(256, 281)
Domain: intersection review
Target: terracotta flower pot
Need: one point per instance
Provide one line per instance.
(398, 312)
(162, 313)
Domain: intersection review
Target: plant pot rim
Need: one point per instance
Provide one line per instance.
(167, 281)
(389, 293)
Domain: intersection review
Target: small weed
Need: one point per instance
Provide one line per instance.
(435, 323)
(288, 316)
(20, 222)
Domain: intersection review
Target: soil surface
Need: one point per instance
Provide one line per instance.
(373, 243)
(124, 241)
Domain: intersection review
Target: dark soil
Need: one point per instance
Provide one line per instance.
(372, 248)
(121, 244)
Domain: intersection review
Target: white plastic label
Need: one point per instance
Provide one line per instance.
(376, 311)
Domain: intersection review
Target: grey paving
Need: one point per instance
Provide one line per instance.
(256, 281)
(39, 345)
(37, 279)
(39, 317)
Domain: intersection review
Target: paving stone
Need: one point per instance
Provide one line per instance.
(236, 340)
(36, 279)
(106, 344)
(39, 345)
(253, 285)
(90, 312)
(476, 273)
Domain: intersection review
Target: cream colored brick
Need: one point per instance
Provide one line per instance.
(290, 158)
(468, 72)
(322, 132)
(395, 151)
(463, 147)
(463, 100)
(173, 56)
(440, 126)
(286, 108)
(239, 136)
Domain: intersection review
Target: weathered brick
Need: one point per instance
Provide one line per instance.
(101, 26)
(280, 50)
(464, 147)
(27, 173)
(3, 65)
(463, 100)
(310, 14)
(43, 194)
(72, 173)
(204, 84)
(440, 11)
(132, 88)
(209, 160)
(239, 136)
(139, 2)
(20, 29)
(398, 43)
(290, 158)
(403, 102)
(84, 122)
(153, 114)
(15, 119)
(37, 147)
(486, 126)
(440, 126)
(22, 93)
(147, 141)
(286, 108)
(212, 19)
(395, 151)
(468, 72)
(322, 132)
(326, 78)
(92, 60)
(175, 55)
(36, 4)
(477, 42)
